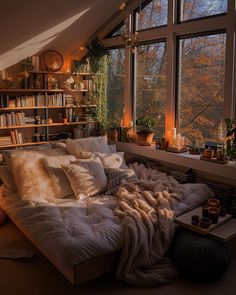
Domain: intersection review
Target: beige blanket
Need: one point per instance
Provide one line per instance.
(146, 209)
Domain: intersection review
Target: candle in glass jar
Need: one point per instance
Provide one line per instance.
(213, 214)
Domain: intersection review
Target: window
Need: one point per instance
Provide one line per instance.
(151, 83)
(193, 9)
(115, 84)
(201, 86)
(154, 14)
(119, 30)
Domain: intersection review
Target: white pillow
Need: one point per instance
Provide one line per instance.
(58, 177)
(112, 160)
(90, 144)
(31, 179)
(87, 177)
(7, 154)
(112, 148)
(7, 179)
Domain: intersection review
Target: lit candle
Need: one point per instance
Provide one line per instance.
(3, 75)
(173, 136)
(177, 141)
(182, 140)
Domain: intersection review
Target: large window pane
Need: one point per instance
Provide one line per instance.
(115, 84)
(201, 87)
(152, 15)
(192, 9)
(151, 83)
(117, 31)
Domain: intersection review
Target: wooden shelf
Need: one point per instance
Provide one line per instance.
(19, 90)
(48, 107)
(29, 143)
(61, 73)
(44, 76)
(44, 125)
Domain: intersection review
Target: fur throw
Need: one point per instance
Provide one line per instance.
(146, 209)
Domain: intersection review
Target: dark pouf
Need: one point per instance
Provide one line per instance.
(199, 257)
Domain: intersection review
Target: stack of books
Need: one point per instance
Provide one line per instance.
(12, 119)
(5, 140)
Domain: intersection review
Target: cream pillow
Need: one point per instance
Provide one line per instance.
(7, 179)
(7, 154)
(112, 148)
(31, 179)
(86, 177)
(58, 177)
(112, 160)
(91, 144)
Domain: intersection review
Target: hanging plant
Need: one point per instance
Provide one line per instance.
(95, 52)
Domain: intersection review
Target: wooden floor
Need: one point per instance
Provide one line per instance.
(39, 277)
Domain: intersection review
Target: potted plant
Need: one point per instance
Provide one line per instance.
(144, 127)
(112, 130)
(230, 138)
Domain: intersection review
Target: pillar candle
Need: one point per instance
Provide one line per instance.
(182, 140)
(3, 75)
(177, 141)
(173, 136)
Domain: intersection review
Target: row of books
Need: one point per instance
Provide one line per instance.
(22, 101)
(57, 99)
(14, 138)
(12, 119)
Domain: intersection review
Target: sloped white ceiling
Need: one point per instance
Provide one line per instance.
(50, 24)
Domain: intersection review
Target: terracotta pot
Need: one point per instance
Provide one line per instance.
(144, 138)
(113, 135)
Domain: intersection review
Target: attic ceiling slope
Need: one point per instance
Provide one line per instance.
(24, 20)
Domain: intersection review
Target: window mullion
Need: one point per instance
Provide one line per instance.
(171, 70)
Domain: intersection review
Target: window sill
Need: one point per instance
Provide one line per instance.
(222, 172)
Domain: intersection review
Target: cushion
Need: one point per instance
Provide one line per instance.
(118, 176)
(90, 144)
(87, 177)
(32, 180)
(199, 257)
(58, 177)
(7, 154)
(111, 160)
(112, 148)
(7, 179)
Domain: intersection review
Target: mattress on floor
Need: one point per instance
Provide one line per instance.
(69, 231)
(82, 238)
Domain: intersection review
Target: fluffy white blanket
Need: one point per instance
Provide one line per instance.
(146, 209)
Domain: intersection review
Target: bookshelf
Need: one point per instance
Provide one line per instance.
(46, 108)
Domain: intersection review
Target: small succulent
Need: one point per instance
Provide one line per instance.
(145, 124)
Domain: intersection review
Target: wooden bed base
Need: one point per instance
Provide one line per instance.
(84, 271)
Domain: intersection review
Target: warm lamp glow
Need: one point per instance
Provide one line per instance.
(122, 6)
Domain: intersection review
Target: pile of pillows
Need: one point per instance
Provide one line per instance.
(79, 167)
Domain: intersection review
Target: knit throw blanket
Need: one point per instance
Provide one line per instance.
(146, 209)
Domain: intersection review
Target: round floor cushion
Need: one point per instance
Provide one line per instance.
(199, 257)
(3, 216)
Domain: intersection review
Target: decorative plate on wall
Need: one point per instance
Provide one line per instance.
(51, 60)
